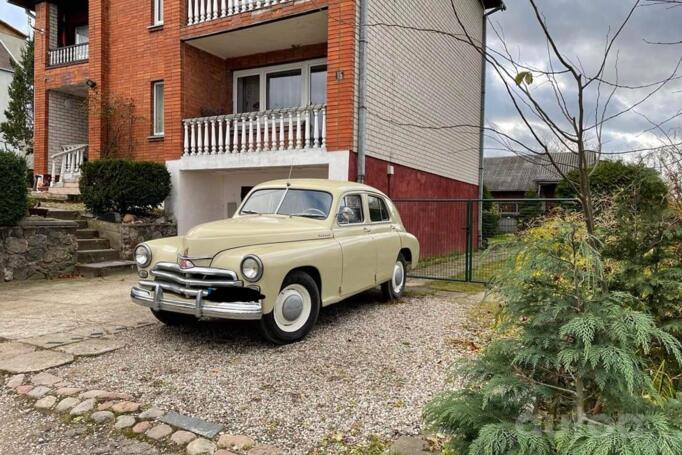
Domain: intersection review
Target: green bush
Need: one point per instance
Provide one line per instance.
(13, 196)
(490, 215)
(569, 372)
(642, 185)
(529, 211)
(123, 186)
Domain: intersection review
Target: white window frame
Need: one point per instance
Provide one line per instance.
(157, 12)
(263, 72)
(156, 131)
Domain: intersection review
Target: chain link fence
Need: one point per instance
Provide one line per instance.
(454, 248)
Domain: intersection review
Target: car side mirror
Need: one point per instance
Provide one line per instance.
(345, 215)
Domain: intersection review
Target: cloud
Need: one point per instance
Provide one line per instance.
(14, 15)
(581, 28)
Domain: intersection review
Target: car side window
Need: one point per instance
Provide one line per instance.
(350, 210)
(378, 212)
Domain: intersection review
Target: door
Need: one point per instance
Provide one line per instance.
(357, 248)
(385, 237)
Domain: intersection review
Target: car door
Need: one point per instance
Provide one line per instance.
(357, 249)
(384, 235)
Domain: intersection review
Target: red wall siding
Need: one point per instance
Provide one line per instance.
(440, 226)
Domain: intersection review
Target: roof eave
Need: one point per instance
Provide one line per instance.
(26, 4)
(493, 3)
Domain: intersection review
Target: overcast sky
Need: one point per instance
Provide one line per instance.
(580, 27)
(13, 15)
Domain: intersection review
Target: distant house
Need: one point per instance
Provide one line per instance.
(12, 42)
(514, 177)
(511, 177)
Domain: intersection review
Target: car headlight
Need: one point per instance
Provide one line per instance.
(252, 268)
(143, 255)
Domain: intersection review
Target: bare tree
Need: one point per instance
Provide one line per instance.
(581, 106)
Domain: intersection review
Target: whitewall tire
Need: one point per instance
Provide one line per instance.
(295, 312)
(393, 289)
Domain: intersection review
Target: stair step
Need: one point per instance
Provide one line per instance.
(90, 256)
(82, 224)
(103, 268)
(71, 215)
(87, 234)
(93, 244)
(64, 190)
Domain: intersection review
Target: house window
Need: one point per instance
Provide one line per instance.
(82, 32)
(157, 102)
(282, 86)
(158, 12)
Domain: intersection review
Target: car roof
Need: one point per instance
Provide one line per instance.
(332, 186)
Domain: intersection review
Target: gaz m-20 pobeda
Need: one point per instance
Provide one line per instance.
(292, 247)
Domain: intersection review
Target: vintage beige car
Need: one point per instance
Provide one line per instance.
(292, 247)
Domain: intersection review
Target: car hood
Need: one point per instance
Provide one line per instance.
(210, 238)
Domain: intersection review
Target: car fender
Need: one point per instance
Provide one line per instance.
(279, 259)
(410, 242)
(163, 250)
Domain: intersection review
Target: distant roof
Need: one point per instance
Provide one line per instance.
(12, 41)
(7, 28)
(524, 172)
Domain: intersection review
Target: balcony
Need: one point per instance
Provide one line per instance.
(68, 55)
(200, 11)
(301, 128)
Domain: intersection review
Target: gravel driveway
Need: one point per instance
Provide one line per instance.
(367, 368)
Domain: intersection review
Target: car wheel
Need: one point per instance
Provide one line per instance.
(295, 312)
(174, 319)
(393, 289)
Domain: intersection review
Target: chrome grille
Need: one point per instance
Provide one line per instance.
(191, 281)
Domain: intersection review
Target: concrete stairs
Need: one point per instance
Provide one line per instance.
(95, 255)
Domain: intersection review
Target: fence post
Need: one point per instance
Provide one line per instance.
(468, 261)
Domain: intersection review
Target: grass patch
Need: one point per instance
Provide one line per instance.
(456, 286)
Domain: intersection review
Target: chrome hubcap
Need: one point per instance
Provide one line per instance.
(292, 308)
(398, 280)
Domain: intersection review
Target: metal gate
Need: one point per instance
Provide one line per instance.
(453, 247)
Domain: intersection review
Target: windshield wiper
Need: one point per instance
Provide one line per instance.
(308, 215)
(249, 212)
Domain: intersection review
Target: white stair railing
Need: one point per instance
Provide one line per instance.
(199, 11)
(69, 161)
(279, 129)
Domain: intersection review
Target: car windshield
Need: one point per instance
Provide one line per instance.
(287, 201)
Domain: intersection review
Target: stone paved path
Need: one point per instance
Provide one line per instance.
(27, 431)
(44, 324)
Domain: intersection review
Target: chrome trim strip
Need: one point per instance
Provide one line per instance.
(212, 271)
(225, 310)
(194, 258)
(189, 293)
(196, 282)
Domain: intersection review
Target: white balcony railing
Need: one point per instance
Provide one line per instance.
(68, 54)
(199, 11)
(69, 161)
(279, 129)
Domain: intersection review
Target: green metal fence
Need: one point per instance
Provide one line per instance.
(454, 248)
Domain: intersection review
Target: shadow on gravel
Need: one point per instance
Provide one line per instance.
(246, 333)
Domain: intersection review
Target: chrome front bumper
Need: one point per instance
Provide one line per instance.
(155, 299)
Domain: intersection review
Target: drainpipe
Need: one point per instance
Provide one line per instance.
(481, 167)
(362, 91)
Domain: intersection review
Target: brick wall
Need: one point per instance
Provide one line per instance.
(67, 123)
(424, 79)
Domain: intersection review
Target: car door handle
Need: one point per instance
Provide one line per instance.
(366, 229)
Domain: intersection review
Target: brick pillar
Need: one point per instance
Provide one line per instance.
(96, 64)
(341, 96)
(40, 92)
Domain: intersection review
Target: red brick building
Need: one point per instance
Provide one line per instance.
(230, 93)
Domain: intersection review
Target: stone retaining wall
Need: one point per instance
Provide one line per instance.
(125, 237)
(38, 248)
